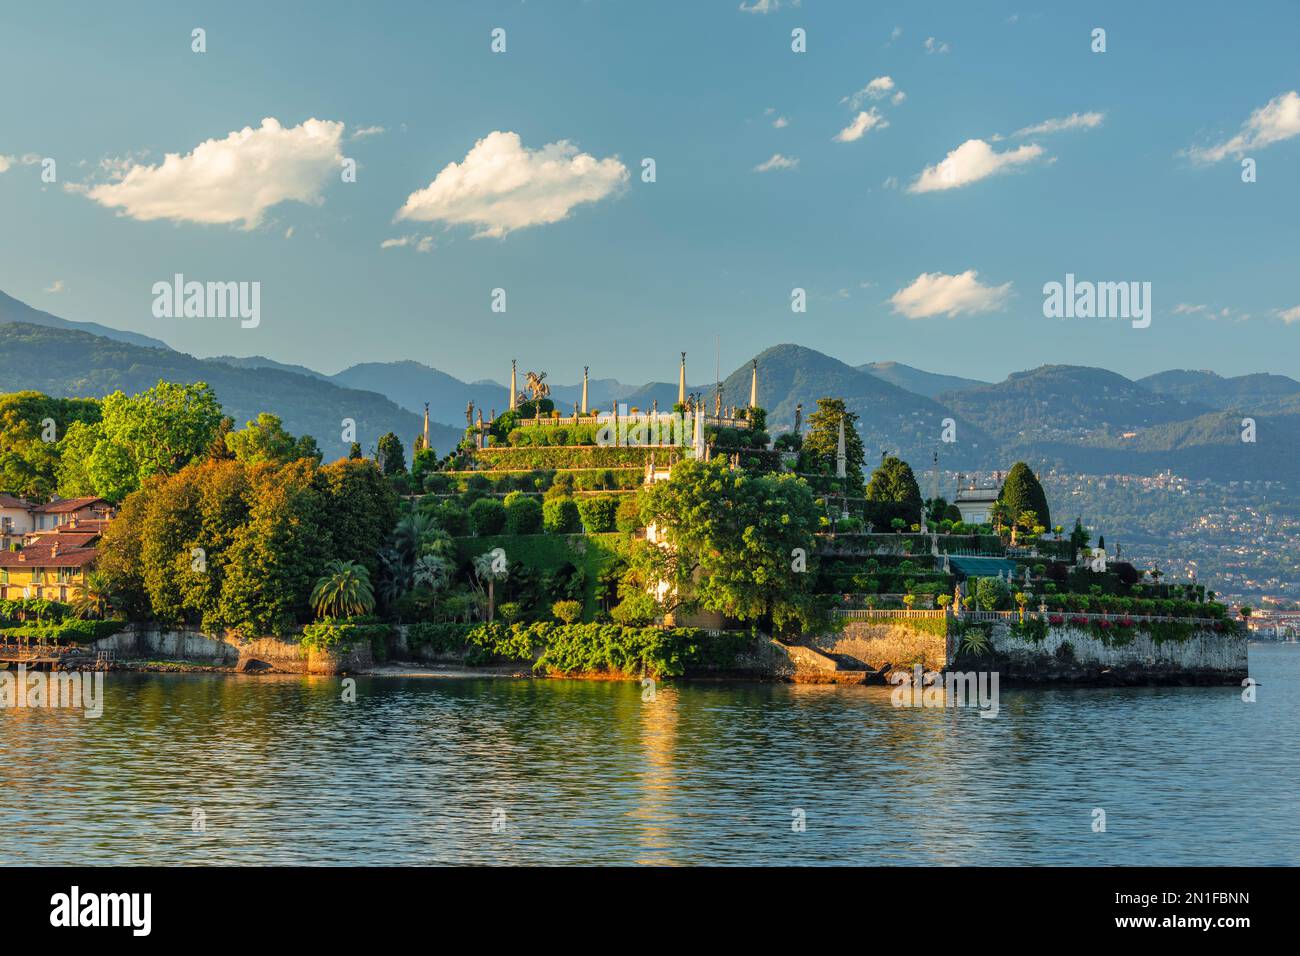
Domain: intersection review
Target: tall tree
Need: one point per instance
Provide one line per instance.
(736, 543)
(263, 440)
(391, 454)
(821, 442)
(1022, 492)
(893, 485)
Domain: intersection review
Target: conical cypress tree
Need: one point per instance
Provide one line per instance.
(1021, 492)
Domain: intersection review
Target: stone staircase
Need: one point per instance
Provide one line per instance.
(816, 667)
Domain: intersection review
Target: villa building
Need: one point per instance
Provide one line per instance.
(976, 497)
(49, 548)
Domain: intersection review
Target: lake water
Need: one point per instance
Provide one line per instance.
(282, 771)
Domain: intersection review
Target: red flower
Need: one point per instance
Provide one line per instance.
(1104, 624)
(1126, 622)
(1056, 619)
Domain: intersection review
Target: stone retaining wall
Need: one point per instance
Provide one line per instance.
(275, 654)
(877, 644)
(1073, 655)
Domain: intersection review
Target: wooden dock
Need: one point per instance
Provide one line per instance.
(38, 658)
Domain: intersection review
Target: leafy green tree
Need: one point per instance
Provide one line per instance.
(278, 554)
(218, 449)
(343, 591)
(362, 511)
(391, 454)
(894, 491)
(1021, 491)
(736, 543)
(119, 557)
(32, 429)
(163, 428)
(306, 447)
(263, 440)
(821, 441)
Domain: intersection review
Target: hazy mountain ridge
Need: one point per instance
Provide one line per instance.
(1077, 418)
(1259, 391)
(12, 310)
(919, 381)
(69, 363)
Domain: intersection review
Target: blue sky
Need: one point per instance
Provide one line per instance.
(603, 269)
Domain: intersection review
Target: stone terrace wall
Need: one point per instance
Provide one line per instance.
(1071, 654)
(880, 643)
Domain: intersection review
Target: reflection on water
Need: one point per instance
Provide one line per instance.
(588, 772)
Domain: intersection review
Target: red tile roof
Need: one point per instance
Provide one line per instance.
(64, 505)
(42, 554)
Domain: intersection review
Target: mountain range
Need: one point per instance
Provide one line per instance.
(1075, 418)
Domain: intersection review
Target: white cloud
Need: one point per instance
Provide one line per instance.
(765, 6)
(55, 287)
(877, 89)
(934, 293)
(365, 131)
(6, 162)
(228, 180)
(288, 233)
(780, 122)
(970, 162)
(1188, 308)
(861, 125)
(936, 46)
(1056, 125)
(777, 162)
(895, 33)
(1289, 315)
(501, 186)
(891, 182)
(421, 243)
(1276, 120)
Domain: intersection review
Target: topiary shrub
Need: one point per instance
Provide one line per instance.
(452, 518)
(635, 610)
(567, 611)
(560, 516)
(628, 516)
(598, 513)
(523, 514)
(488, 516)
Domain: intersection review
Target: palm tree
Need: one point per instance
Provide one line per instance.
(343, 590)
(95, 599)
(413, 532)
(430, 571)
(485, 569)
